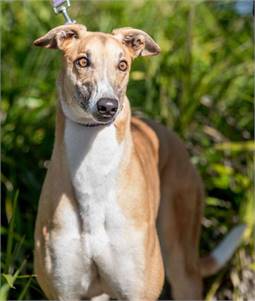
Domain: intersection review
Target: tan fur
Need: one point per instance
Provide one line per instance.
(155, 168)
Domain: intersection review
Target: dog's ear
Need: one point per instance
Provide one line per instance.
(138, 41)
(61, 36)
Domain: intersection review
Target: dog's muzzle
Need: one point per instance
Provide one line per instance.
(106, 109)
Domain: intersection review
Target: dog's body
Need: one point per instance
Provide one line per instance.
(96, 224)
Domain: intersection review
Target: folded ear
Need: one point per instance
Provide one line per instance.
(61, 36)
(138, 41)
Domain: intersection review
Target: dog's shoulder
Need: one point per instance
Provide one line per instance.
(144, 136)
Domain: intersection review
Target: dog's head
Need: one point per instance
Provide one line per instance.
(96, 69)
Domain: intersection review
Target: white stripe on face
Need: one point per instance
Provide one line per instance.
(103, 90)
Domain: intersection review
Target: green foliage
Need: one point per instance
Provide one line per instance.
(201, 85)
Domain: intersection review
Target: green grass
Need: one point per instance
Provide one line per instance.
(201, 85)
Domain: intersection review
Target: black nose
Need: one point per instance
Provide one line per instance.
(107, 107)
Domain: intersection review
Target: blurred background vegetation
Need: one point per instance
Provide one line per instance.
(201, 85)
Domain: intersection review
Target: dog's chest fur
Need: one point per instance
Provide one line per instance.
(94, 157)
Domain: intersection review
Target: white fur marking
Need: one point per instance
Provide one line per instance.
(94, 156)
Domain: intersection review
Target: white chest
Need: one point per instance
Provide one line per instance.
(94, 156)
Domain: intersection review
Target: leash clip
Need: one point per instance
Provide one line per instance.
(61, 6)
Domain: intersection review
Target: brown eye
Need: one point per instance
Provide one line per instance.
(123, 65)
(82, 62)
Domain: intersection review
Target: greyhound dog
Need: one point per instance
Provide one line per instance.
(110, 178)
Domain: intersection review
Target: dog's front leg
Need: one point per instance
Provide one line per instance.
(135, 273)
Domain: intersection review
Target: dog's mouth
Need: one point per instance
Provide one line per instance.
(98, 124)
(102, 121)
(98, 121)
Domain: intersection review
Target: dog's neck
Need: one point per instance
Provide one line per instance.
(93, 154)
(94, 148)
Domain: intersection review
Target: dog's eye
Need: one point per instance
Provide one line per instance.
(82, 62)
(123, 65)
